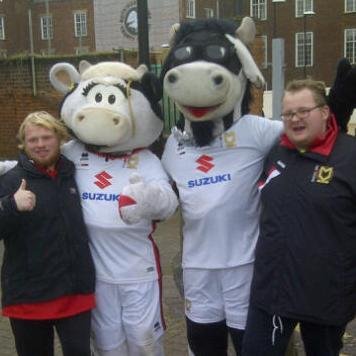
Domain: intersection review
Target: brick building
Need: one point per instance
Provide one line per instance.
(53, 26)
(329, 27)
(116, 21)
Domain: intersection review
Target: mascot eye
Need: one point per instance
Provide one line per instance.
(215, 52)
(183, 53)
(112, 99)
(98, 97)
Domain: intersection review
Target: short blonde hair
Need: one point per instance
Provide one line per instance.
(43, 119)
(317, 88)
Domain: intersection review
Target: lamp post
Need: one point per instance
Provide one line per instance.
(305, 14)
(277, 67)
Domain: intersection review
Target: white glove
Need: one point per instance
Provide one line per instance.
(146, 201)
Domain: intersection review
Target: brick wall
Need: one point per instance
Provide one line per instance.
(16, 93)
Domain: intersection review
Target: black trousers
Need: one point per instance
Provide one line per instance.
(36, 337)
(268, 335)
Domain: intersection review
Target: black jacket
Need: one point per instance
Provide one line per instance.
(306, 253)
(46, 250)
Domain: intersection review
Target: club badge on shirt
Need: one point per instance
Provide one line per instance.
(322, 174)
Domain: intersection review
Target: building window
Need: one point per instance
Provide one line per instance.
(302, 6)
(190, 9)
(209, 13)
(259, 9)
(80, 24)
(304, 49)
(350, 5)
(350, 45)
(46, 27)
(2, 27)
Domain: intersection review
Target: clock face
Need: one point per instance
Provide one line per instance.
(131, 22)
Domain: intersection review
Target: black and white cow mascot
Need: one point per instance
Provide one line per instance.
(215, 159)
(112, 111)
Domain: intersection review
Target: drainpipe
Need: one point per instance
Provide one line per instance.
(32, 56)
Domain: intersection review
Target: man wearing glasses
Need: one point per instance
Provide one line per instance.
(305, 267)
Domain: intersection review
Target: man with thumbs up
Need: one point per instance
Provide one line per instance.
(47, 276)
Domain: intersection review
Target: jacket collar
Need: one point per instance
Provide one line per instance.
(322, 145)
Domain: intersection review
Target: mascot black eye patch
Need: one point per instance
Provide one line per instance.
(212, 53)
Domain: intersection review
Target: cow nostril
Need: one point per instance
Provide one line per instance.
(116, 121)
(218, 79)
(81, 117)
(172, 78)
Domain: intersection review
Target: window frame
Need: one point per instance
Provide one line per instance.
(2, 27)
(209, 12)
(190, 9)
(300, 10)
(352, 57)
(261, 7)
(80, 23)
(301, 47)
(47, 26)
(353, 6)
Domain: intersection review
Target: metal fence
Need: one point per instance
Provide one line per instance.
(170, 112)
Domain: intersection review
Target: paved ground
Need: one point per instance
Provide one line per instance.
(167, 237)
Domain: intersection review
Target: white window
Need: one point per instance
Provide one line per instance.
(2, 27)
(350, 5)
(209, 13)
(302, 6)
(304, 49)
(259, 9)
(350, 45)
(80, 24)
(190, 9)
(46, 27)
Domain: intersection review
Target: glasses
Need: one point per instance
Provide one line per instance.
(302, 113)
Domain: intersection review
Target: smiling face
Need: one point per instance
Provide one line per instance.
(42, 145)
(309, 120)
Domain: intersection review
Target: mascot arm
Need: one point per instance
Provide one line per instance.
(139, 200)
(342, 95)
(5, 166)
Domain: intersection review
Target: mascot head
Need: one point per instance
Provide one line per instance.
(207, 74)
(110, 106)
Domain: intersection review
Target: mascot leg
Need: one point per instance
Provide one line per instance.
(153, 349)
(236, 337)
(207, 339)
(122, 350)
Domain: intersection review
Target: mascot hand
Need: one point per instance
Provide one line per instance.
(152, 201)
(342, 95)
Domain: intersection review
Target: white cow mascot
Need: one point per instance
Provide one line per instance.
(112, 111)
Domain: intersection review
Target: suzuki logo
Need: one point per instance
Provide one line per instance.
(205, 164)
(103, 181)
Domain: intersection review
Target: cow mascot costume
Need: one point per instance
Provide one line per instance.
(215, 157)
(112, 111)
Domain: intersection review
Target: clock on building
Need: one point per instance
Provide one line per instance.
(128, 19)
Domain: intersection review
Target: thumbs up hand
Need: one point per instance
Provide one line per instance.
(25, 199)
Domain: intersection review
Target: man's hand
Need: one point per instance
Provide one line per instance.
(25, 199)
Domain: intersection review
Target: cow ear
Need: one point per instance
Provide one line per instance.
(83, 66)
(246, 31)
(172, 33)
(151, 87)
(63, 76)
